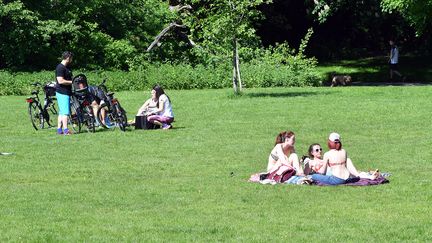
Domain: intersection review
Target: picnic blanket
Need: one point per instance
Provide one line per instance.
(357, 181)
(298, 180)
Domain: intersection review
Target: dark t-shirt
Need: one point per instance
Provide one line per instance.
(66, 73)
(96, 92)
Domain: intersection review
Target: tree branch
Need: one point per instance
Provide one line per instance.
(179, 7)
(165, 31)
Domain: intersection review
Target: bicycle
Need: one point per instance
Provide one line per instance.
(111, 111)
(81, 113)
(46, 113)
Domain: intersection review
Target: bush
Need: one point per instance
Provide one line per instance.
(270, 67)
(20, 83)
(117, 52)
(181, 76)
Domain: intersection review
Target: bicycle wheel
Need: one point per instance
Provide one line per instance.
(109, 121)
(36, 116)
(88, 122)
(52, 114)
(74, 120)
(121, 117)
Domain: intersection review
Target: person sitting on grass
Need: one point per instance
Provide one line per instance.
(95, 96)
(314, 163)
(284, 153)
(149, 105)
(342, 168)
(163, 114)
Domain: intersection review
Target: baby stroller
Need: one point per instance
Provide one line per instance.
(82, 116)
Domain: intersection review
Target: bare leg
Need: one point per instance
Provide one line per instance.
(95, 107)
(64, 120)
(157, 123)
(103, 116)
(296, 165)
(59, 122)
(351, 168)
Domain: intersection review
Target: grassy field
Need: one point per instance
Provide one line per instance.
(190, 183)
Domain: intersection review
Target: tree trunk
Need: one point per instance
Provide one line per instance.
(237, 84)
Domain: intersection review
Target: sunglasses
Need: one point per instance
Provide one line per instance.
(318, 150)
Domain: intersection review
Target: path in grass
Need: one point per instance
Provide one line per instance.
(189, 183)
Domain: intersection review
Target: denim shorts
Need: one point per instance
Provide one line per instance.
(63, 102)
(328, 180)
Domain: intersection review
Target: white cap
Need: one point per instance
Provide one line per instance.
(334, 137)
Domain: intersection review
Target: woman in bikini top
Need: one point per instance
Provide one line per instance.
(336, 161)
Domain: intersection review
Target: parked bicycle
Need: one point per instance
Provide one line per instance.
(42, 113)
(110, 113)
(81, 114)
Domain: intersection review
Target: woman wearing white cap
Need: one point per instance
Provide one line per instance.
(337, 160)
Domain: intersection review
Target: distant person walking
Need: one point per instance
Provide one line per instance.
(63, 75)
(394, 61)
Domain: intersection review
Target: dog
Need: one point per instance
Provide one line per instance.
(340, 80)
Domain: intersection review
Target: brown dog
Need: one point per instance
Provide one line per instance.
(340, 80)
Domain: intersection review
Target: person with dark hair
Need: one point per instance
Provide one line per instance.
(314, 162)
(339, 163)
(162, 114)
(149, 105)
(284, 153)
(63, 75)
(94, 95)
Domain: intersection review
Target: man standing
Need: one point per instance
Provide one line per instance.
(394, 60)
(63, 75)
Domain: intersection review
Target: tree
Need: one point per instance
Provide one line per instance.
(418, 12)
(100, 33)
(219, 26)
(222, 27)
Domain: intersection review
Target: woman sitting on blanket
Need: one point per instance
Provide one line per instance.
(284, 153)
(158, 108)
(337, 160)
(314, 163)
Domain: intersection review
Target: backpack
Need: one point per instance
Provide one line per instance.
(142, 123)
(281, 174)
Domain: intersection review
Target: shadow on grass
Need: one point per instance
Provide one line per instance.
(396, 83)
(285, 94)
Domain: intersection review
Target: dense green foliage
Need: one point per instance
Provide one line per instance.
(180, 76)
(100, 33)
(113, 34)
(418, 12)
(189, 184)
(265, 72)
(350, 28)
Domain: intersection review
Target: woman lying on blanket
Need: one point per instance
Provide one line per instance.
(342, 168)
(284, 153)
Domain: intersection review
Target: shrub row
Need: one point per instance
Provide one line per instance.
(172, 77)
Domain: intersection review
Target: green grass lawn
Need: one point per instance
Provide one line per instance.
(190, 183)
